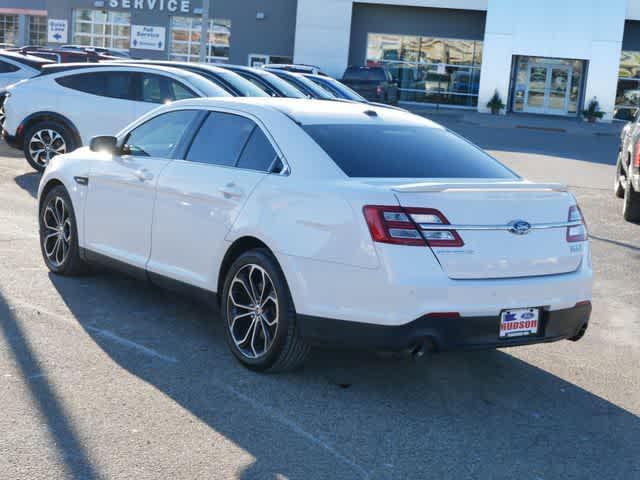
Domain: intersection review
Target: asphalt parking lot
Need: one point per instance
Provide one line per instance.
(106, 377)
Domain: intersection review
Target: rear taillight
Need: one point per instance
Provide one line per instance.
(636, 157)
(576, 233)
(379, 91)
(410, 226)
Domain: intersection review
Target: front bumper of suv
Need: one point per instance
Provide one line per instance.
(442, 333)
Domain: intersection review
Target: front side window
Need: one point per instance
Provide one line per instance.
(161, 89)
(159, 136)
(404, 151)
(220, 139)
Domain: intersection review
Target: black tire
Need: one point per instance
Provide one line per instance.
(631, 202)
(287, 349)
(54, 139)
(618, 186)
(69, 262)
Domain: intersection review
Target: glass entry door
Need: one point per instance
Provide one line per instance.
(548, 88)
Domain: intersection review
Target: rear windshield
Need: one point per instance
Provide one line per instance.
(392, 151)
(242, 85)
(365, 74)
(285, 88)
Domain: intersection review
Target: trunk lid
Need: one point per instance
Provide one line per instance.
(485, 213)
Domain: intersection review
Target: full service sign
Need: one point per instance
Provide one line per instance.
(146, 37)
(57, 31)
(181, 6)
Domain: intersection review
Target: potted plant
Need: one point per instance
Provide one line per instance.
(495, 104)
(593, 113)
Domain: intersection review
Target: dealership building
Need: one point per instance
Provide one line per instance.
(544, 57)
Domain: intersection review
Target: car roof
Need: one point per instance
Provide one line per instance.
(30, 60)
(170, 63)
(314, 112)
(66, 67)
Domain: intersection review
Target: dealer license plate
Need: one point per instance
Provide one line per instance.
(519, 322)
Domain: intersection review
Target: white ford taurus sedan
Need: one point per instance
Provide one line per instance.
(324, 223)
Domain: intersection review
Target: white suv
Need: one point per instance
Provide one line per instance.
(324, 223)
(65, 106)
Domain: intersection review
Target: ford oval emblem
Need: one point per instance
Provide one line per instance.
(519, 227)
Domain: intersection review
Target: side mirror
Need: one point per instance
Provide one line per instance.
(104, 143)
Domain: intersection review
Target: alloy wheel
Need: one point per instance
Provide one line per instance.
(46, 144)
(57, 235)
(252, 311)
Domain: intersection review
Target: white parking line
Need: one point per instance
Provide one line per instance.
(103, 333)
(131, 344)
(274, 415)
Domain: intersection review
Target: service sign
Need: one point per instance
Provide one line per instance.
(145, 37)
(57, 31)
(171, 6)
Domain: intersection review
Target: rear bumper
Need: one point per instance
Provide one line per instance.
(443, 334)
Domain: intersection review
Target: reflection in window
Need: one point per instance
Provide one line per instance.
(8, 29)
(185, 39)
(101, 28)
(431, 70)
(628, 91)
(37, 30)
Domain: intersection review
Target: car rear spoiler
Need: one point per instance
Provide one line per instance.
(480, 186)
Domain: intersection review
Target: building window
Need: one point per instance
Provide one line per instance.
(37, 30)
(185, 39)
(628, 92)
(9, 29)
(100, 28)
(427, 69)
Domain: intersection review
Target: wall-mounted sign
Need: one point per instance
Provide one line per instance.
(146, 37)
(57, 31)
(182, 6)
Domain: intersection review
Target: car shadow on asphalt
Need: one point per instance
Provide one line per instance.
(346, 414)
(29, 182)
(51, 409)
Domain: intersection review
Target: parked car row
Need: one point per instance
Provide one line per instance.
(58, 109)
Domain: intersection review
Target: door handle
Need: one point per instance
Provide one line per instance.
(143, 174)
(230, 190)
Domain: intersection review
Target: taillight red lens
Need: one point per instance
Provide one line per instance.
(409, 226)
(636, 157)
(577, 233)
(378, 90)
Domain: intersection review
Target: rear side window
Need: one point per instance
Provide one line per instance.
(120, 85)
(6, 67)
(161, 89)
(258, 154)
(220, 139)
(399, 151)
(159, 136)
